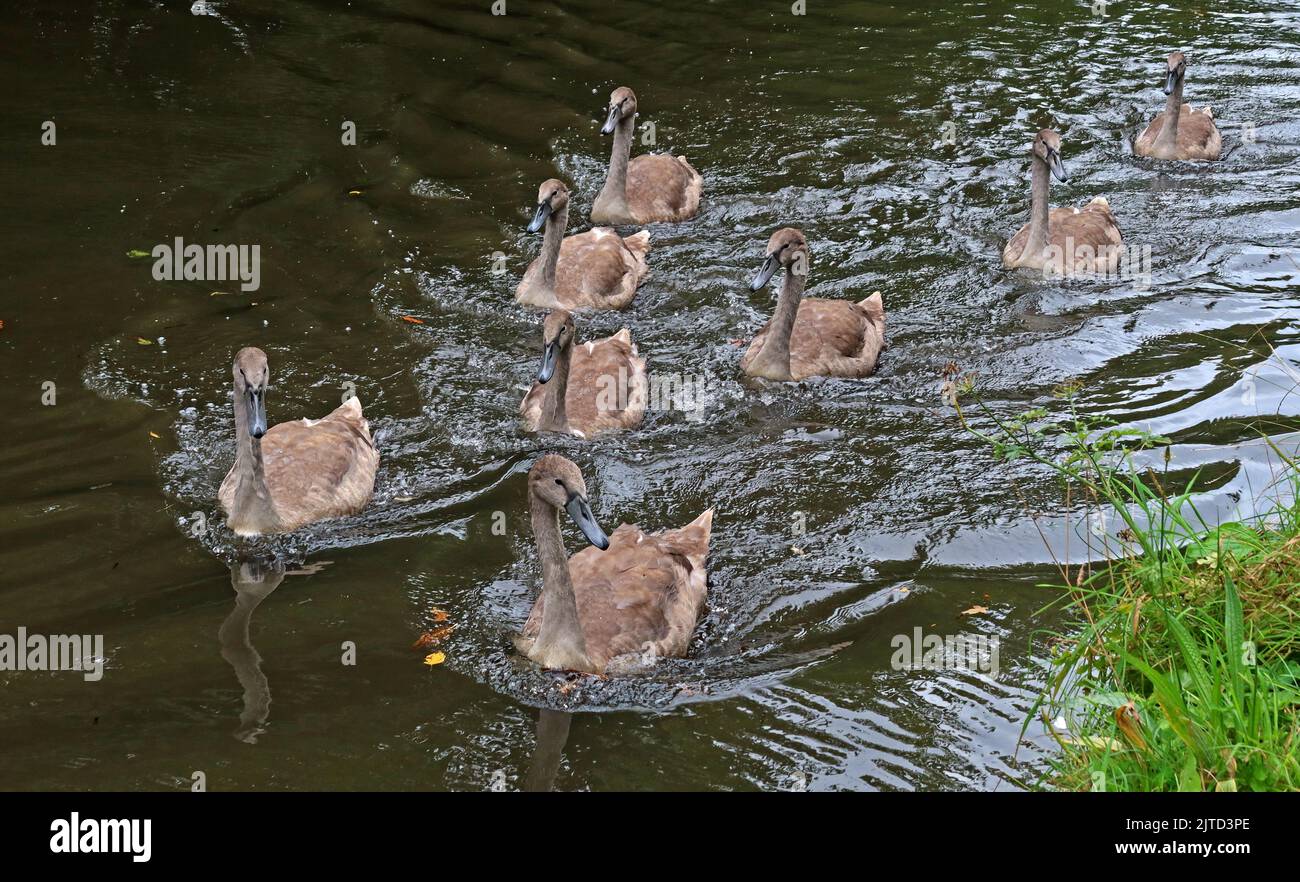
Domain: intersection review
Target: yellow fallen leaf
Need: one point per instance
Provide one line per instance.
(975, 610)
(143, 342)
(435, 658)
(354, 192)
(155, 435)
(1094, 741)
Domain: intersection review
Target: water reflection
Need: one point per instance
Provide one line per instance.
(552, 735)
(253, 581)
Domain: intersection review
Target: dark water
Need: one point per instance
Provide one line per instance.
(224, 127)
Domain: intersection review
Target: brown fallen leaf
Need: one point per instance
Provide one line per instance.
(1130, 724)
(975, 610)
(439, 615)
(431, 638)
(412, 319)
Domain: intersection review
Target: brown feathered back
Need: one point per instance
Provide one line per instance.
(1198, 136)
(661, 187)
(831, 338)
(1092, 232)
(639, 599)
(607, 388)
(600, 269)
(316, 469)
(644, 189)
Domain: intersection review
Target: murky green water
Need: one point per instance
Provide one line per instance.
(225, 128)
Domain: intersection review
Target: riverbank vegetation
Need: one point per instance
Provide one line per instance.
(1181, 667)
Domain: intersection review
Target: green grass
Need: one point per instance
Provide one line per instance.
(1182, 669)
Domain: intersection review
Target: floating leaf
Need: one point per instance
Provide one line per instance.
(412, 319)
(137, 253)
(155, 435)
(433, 637)
(975, 610)
(435, 658)
(143, 342)
(354, 192)
(439, 615)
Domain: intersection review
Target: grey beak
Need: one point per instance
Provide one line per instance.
(1057, 167)
(765, 272)
(611, 121)
(539, 218)
(550, 355)
(580, 510)
(256, 413)
(1171, 80)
